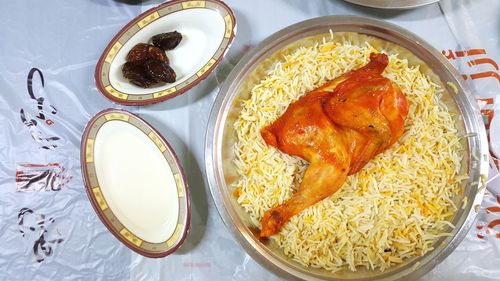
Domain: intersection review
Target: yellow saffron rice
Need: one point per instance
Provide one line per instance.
(393, 209)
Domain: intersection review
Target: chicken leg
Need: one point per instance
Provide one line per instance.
(337, 128)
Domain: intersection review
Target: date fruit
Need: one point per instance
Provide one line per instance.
(138, 54)
(167, 41)
(141, 52)
(147, 64)
(136, 74)
(157, 54)
(159, 71)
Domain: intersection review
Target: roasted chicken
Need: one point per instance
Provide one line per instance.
(337, 128)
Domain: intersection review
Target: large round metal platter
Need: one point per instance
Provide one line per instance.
(221, 138)
(392, 4)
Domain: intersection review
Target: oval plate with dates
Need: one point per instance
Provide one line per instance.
(208, 28)
(135, 183)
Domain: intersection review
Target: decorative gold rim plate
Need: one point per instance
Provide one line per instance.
(100, 202)
(106, 74)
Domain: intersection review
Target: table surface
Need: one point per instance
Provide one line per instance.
(64, 39)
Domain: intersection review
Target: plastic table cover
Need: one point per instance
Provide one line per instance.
(48, 52)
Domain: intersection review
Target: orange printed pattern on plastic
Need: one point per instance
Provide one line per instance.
(475, 61)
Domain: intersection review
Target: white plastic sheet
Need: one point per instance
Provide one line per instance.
(54, 234)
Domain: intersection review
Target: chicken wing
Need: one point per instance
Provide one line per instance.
(337, 128)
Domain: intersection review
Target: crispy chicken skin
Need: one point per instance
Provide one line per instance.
(337, 128)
